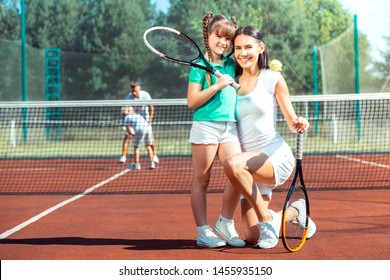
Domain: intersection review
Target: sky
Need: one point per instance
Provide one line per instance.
(373, 19)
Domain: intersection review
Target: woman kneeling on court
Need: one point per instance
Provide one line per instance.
(266, 161)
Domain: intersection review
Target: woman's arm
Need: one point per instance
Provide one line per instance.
(295, 123)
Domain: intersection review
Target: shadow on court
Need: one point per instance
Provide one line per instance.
(145, 244)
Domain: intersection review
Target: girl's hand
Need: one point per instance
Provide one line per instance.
(301, 124)
(224, 81)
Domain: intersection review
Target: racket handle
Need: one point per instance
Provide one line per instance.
(299, 151)
(234, 84)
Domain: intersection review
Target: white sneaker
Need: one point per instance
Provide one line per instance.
(155, 159)
(269, 231)
(122, 159)
(228, 233)
(208, 239)
(134, 166)
(301, 219)
(152, 166)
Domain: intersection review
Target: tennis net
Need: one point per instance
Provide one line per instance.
(66, 147)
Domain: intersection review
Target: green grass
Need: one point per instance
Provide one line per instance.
(167, 147)
(86, 148)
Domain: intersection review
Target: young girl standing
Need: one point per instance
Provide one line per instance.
(213, 130)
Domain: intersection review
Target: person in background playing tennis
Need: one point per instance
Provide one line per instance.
(267, 160)
(138, 128)
(214, 130)
(146, 111)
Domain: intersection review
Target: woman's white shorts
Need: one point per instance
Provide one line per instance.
(283, 162)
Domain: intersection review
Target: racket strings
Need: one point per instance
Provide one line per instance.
(172, 45)
(295, 220)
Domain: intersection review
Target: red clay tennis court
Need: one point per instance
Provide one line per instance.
(352, 224)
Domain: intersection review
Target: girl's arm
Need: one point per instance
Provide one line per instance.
(196, 97)
(295, 123)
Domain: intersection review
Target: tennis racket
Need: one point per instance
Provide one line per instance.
(295, 217)
(175, 46)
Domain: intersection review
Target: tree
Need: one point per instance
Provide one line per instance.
(100, 41)
(381, 69)
(329, 17)
(289, 37)
(9, 51)
(112, 31)
(291, 28)
(9, 20)
(102, 47)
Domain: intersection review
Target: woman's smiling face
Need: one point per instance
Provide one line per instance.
(247, 50)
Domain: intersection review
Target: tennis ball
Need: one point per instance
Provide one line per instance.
(275, 65)
(124, 128)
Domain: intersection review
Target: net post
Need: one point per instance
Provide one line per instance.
(24, 66)
(334, 129)
(12, 134)
(357, 77)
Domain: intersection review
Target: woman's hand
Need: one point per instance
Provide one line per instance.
(301, 124)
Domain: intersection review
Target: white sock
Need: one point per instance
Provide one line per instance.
(226, 220)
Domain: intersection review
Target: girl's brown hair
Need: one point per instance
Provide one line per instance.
(222, 25)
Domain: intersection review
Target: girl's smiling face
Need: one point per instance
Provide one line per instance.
(219, 44)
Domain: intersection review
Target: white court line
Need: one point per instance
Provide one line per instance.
(364, 161)
(59, 205)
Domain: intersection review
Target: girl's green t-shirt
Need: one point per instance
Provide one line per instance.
(220, 107)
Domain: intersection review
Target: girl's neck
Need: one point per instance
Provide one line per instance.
(215, 59)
